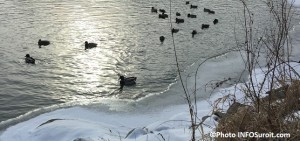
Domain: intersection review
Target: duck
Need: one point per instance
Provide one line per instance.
(162, 16)
(162, 39)
(194, 32)
(127, 81)
(204, 26)
(153, 10)
(191, 16)
(43, 43)
(162, 10)
(206, 10)
(178, 14)
(89, 45)
(177, 20)
(29, 60)
(215, 21)
(174, 30)
(194, 6)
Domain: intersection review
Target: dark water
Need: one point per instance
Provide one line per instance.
(127, 34)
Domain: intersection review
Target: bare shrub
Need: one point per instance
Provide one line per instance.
(275, 112)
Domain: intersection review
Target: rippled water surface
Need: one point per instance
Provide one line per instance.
(127, 34)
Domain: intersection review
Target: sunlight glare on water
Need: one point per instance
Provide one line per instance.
(127, 34)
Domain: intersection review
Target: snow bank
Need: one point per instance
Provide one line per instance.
(79, 123)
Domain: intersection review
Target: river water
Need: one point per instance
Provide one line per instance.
(127, 34)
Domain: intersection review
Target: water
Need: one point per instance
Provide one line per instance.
(127, 35)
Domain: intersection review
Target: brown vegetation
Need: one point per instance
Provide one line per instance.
(279, 118)
(274, 113)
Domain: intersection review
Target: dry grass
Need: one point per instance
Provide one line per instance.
(274, 116)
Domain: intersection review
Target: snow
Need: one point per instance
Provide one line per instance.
(92, 126)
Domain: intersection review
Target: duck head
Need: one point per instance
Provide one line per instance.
(122, 77)
(86, 45)
(39, 43)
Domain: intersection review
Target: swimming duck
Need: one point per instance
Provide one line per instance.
(129, 81)
(192, 16)
(43, 43)
(29, 59)
(174, 30)
(194, 6)
(204, 26)
(89, 45)
(154, 10)
(162, 10)
(215, 21)
(162, 16)
(161, 38)
(177, 20)
(194, 33)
